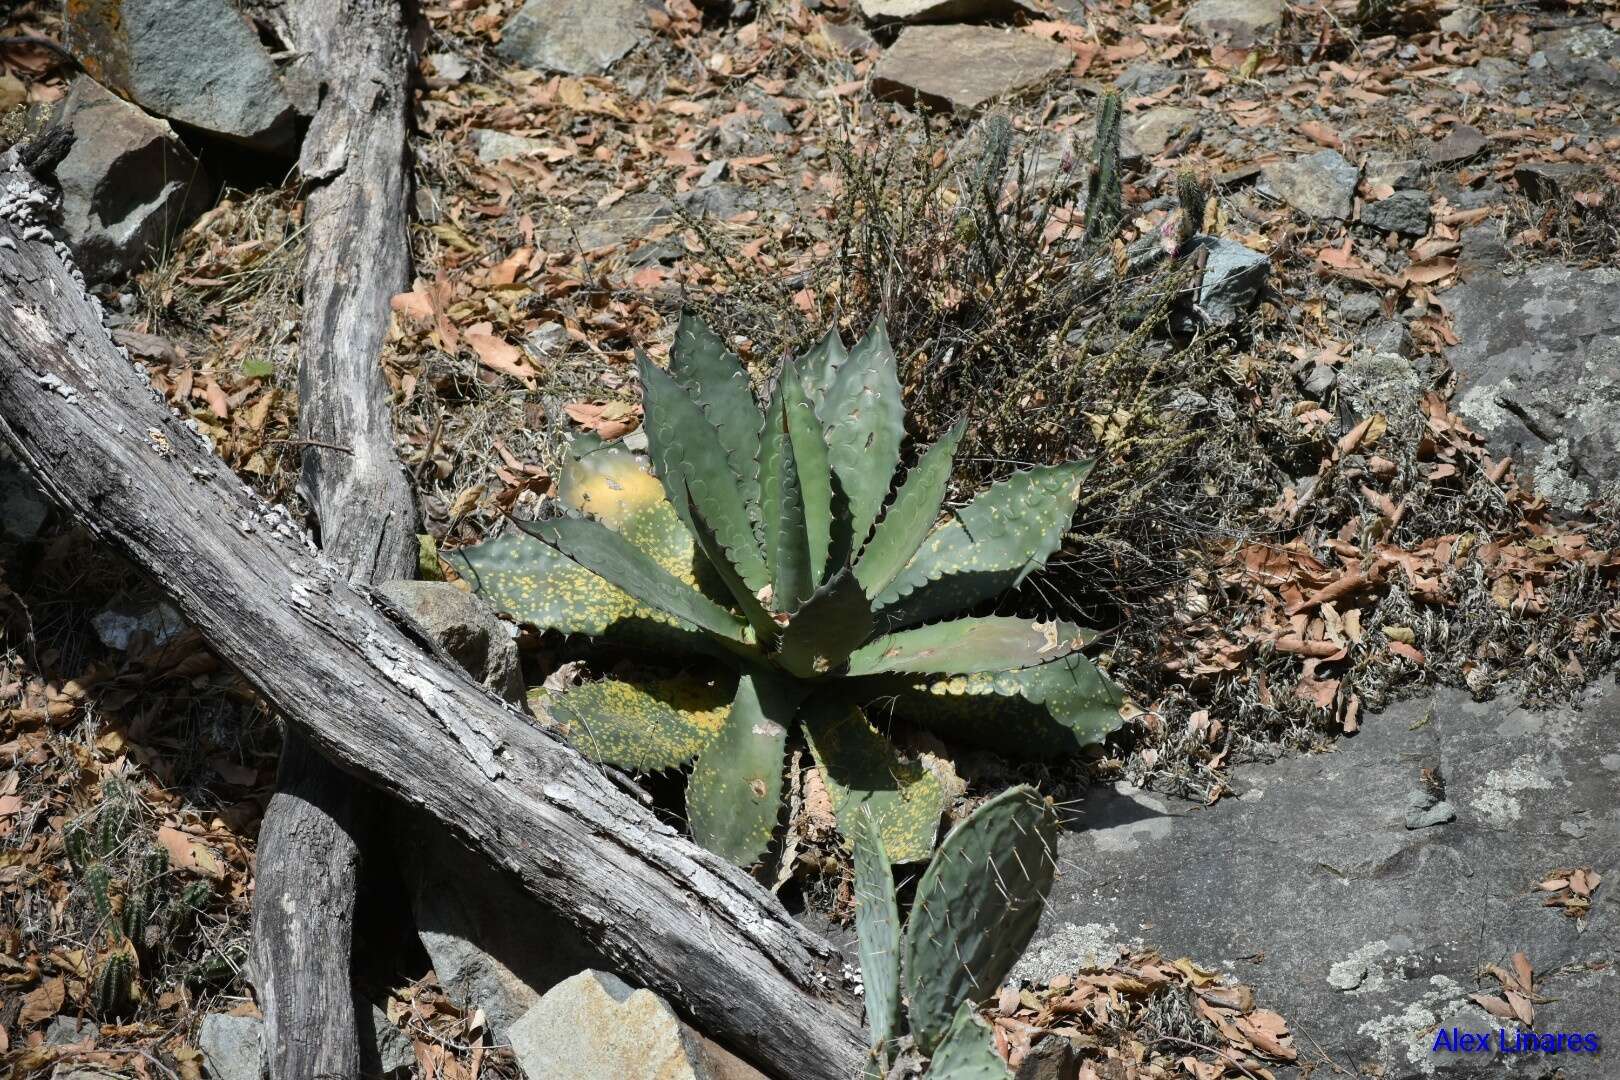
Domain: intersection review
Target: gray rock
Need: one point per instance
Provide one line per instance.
(450, 67)
(1321, 185)
(394, 1056)
(1492, 73)
(1388, 336)
(942, 11)
(1397, 172)
(579, 37)
(503, 145)
(1238, 23)
(1360, 307)
(1464, 21)
(465, 627)
(118, 626)
(493, 946)
(1425, 810)
(1380, 382)
(23, 507)
(232, 1047)
(1372, 934)
(1582, 57)
(1233, 278)
(129, 185)
(1151, 131)
(1405, 212)
(1462, 143)
(1543, 180)
(196, 62)
(1539, 358)
(626, 221)
(595, 1027)
(963, 67)
(1144, 77)
(1053, 1058)
(63, 1030)
(1319, 380)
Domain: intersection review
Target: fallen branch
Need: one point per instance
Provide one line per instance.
(670, 915)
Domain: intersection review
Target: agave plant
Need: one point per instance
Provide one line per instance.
(769, 545)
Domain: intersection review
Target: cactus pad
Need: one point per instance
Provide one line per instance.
(968, 1051)
(976, 908)
(877, 929)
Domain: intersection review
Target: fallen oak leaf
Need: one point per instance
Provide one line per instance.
(1268, 1032)
(1493, 1005)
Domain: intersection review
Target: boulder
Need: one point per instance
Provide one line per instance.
(595, 1027)
(1321, 185)
(1405, 212)
(943, 11)
(196, 62)
(577, 37)
(129, 185)
(1236, 23)
(1538, 355)
(232, 1047)
(963, 67)
(1307, 885)
(465, 627)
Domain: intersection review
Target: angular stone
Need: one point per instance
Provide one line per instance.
(232, 1047)
(1397, 172)
(1464, 20)
(1405, 212)
(578, 37)
(388, 1052)
(1151, 131)
(1582, 57)
(963, 67)
(1233, 278)
(494, 146)
(196, 62)
(1372, 934)
(129, 185)
(467, 629)
(942, 11)
(23, 507)
(1539, 358)
(1462, 143)
(595, 1027)
(1238, 23)
(1321, 185)
(1143, 78)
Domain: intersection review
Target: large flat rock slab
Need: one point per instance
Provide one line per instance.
(1367, 935)
(1539, 357)
(963, 67)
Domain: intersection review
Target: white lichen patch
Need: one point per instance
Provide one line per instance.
(1357, 972)
(1497, 802)
(1069, 948)
(1408, 1036)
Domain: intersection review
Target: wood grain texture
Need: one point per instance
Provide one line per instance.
(84, 421)
(358, 58)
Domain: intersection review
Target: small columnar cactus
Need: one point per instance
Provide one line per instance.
(115, 984)
(974, 913)
(1105, 205)
(771, 545)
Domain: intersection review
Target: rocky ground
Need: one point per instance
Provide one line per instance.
(1402, 496)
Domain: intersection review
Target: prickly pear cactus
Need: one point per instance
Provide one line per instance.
(976, 908)
(779, 541)
(877, 932)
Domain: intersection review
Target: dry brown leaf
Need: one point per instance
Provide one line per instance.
(42, 1002)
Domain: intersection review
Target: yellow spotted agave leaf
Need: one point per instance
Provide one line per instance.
(646, 726)
(734, 797)
(614, 486)
(863, 772)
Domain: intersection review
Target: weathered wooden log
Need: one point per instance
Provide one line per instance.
(671, 916)
(357, 57)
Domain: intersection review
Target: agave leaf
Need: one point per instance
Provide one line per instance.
(1009, 530)
(610, 556)
(820, 365)
(877, 928)
(828, 627)
(976, 908)
(968, 1051)
(865, 423)
(968, 646)
(1054, 708)
(614, 486)
(714, 377)
(864, 776)
(735, 794)
(910, 516)
(534, 583)
(695, 467)
(782, 511)
(765, 628)
(648, 725)
(818, 487)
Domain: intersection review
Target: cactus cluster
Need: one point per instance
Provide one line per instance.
(772, 544)
(974, 912)
(129, 892)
